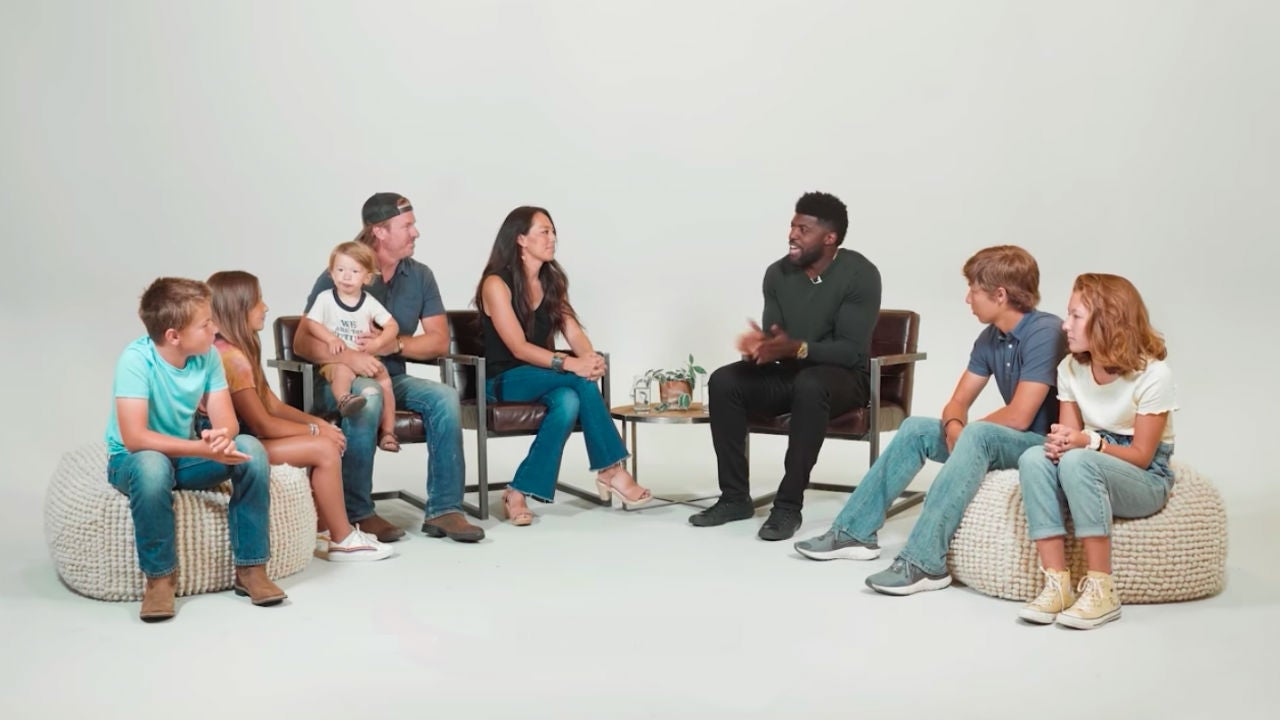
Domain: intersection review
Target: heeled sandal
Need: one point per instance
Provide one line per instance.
(520, 518)
(606, 490)
(389, 442)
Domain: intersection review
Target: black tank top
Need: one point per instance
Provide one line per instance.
(498, 358)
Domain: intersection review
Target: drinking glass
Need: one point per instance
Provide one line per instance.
(640, 387)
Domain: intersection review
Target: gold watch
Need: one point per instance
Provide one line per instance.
(802, 352)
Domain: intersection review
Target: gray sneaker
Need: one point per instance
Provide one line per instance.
(837, 545)
(903, 578)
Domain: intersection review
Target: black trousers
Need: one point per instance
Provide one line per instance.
(812, 393)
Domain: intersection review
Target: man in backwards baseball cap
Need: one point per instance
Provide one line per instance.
(407, 288)
(381, 207)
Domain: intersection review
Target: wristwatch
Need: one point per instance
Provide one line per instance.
(1095, 440)
(557, 363)
(802, 352)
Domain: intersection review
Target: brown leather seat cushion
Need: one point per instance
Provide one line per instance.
(409, 427)
(506, 417)
(853, 424)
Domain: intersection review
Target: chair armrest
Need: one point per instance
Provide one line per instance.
(288, 365)
(478, 362)
(901, 359)
(873, 402)
(458, 358)
(308, 372)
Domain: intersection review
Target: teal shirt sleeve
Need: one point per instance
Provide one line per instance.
(133, 377)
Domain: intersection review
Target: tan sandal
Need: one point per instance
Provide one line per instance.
(349, 404)
(520, 518)
(389, 442)
(607, 490)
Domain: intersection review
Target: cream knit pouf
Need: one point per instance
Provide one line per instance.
(1180, 553)
(90, 530)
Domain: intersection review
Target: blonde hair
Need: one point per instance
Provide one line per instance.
(1121, 339)
(171, 303)
(361, 253)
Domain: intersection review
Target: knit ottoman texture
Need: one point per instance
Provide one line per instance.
(90, 530)
(1180, 553)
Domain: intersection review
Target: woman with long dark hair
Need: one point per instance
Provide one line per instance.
(523, 299)
(1108, 455)
(289, 435)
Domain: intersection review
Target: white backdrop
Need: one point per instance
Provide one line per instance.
(670, 141)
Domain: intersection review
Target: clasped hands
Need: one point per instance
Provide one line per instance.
(590, 366)
(221, 447)
(763, 348)
(1062, 438)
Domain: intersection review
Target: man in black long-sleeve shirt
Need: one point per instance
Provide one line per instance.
(809, 356)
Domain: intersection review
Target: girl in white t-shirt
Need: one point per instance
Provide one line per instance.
(1109, 454)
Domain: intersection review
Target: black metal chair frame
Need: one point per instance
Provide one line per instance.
(308, 372)
(909, 498)
(484, 434)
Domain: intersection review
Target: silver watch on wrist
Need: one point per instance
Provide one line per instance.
(557, 363)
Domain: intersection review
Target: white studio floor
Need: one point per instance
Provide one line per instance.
(597, 613)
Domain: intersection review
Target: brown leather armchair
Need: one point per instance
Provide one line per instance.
(298, 387)
(893, 367)
(464, 370)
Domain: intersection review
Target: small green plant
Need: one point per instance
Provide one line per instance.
(681, 397)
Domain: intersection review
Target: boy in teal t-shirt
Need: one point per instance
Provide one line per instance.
(161, 380)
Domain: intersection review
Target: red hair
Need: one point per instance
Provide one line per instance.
(1121, 339)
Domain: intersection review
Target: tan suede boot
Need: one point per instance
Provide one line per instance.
(381, 528)
(252, 580)
(157, 599)
(454, 526)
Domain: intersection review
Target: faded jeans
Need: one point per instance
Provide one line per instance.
(149, 478)
(441, 413)
(570, 400)
(981, 448)
(1093, 486)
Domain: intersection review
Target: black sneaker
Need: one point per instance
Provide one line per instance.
(782, 524)
(722, 512)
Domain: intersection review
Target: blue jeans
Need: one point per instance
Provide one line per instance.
(569, 399)
(149, 479)
(441, 413)
(1095, 487)
(981, 447)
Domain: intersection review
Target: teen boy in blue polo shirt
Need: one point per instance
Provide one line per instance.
(1020, 348)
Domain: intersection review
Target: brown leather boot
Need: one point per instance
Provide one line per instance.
(252, 580)
(381, 529)
(454, 526)
(157, 599)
